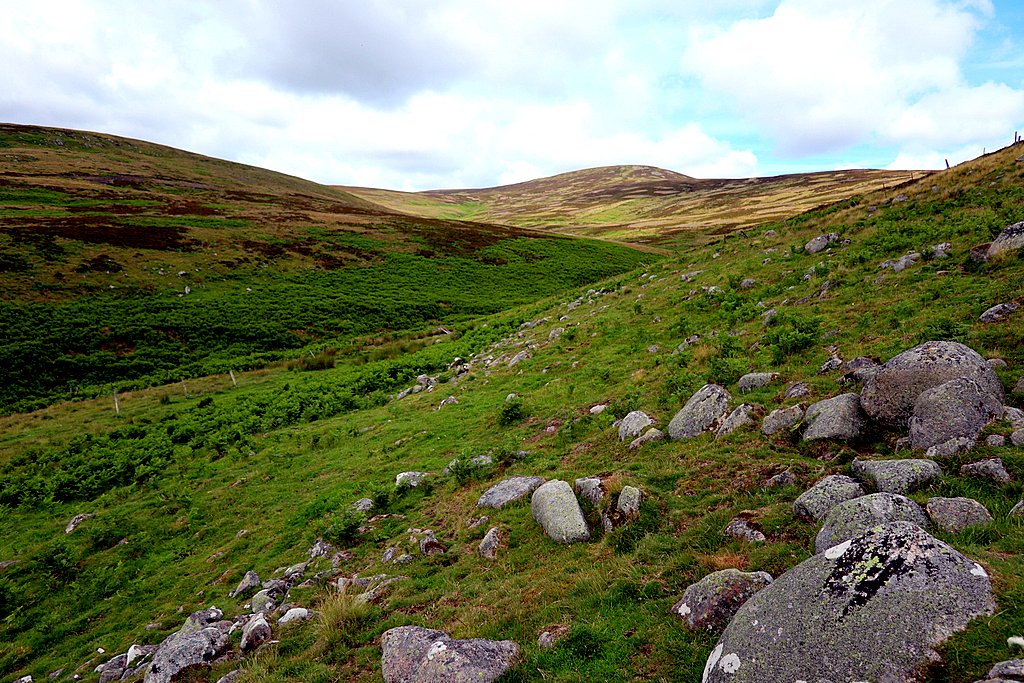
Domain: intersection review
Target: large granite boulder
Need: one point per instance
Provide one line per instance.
(411, 654)
(702, 412)
(197, 644)
(814, 503)
(889, 396)
(1010, 239)
(873, 608)
(959, 408)
(898, 476)
(713, 601)
(853, 517)
(556, 509)
(756, 380)
(839, 417)
(508, 491)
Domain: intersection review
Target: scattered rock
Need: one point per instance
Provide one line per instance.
(598, 409)
(230, 677)
(814, 503)
(294, 615)
(852, 518)
(797, 390)
(589, 489)
(489, 545)
(1010, 671)
(839, 417)
(821, 242)
(744, 530)
(262, 602)
(1011, 238)
(628, 504)
(411, 479)
(197, 644)
(889, 396)
(249, 583)
(650, 436)
(412, 653)
(1017, 437)
(429, 545)
(519, 358)
(786, 478)
(450, 401)
(782, 418)
(550, 636)
(76, 520)
(906, 589)
(831, 365)
(1017, 510)
(991, 468)
(255, 633)
(948, 449)
(995, 440)
(958, 408)
(742, 416)
(953, 515)
(898, 476)
(756, 380)
(747, 283)
(558, 512)
(1018, 388)
(634, 424)
(508, 491)
(320, 549)
(998, 313)
(713, 601)
(702, 412)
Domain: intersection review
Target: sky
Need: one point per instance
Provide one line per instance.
(420, 94)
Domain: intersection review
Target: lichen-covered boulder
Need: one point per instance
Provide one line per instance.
(814, 503)
(953, 515)
(898, 476)
(628, 504)
(411, 654)
(821, 242)
(411, 479)
(990, 468)
(741, 416)
(1010, 239)
(589, 489)
(959, 408)
(508, 491)
(997, 313)
(756, 380)
(702, 412)
(556, 509)
(782, 418)
(713, 601)
(873, 608)
(249, 583)
(634, 424)
(489, 545)
(839, 417)
(853, 517)
(889, 395)
(255, 633)
(196, 644)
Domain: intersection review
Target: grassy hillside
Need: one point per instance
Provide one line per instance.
(642, 204)
(125, 264)
(173, 480)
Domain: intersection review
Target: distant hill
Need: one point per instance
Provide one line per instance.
(641, 203)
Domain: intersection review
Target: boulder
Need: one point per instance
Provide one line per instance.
(429, 545)
(889, 396)
(489, 545)
(997, 440)
(713, 601)
(76, 520)
(1017, 510)
(255, 633)
(782, 418)
(114, 668)
(263, 601)
(650, 436)
(589, 489)
(797, 390)
(756, 380)
(1010, 239)
(997, 313)
(898, 476)
(558, 512)
(363, 505)
(741, 416)
(958, 408)
(1018, 388)
(1010, 670)
(294, 615)
(953, 515)
(853, 517)
(814, 503)
(702, 412)
(742, 529)
(634, 424)
(839, 417)
(411, 654)
(508, 491)
(786, 478)
(990, 468)
(954, 446)
(628, 504)
(1017, 437)
(873, 608)
(821, 242)
(249, 583)
(181, 651)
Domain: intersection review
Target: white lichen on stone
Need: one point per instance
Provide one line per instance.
(436, 649)
(684, 609)
(835, 552)
(730, 663)
(1010, 642)
(978, 570)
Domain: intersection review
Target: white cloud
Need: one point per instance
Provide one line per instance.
(820, 76)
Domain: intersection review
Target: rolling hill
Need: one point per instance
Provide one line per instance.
(642, 204)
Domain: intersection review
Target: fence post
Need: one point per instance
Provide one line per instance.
(117, 403)
(233, 381)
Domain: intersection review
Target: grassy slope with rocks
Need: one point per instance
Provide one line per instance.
(258, 457)
(128, 264)
(642, 204)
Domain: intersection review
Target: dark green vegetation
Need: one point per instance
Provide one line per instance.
(173, 479)
(126, 264)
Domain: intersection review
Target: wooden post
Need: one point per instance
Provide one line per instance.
(947, 164)
(117, 403)
(184, 388)
(233, 381)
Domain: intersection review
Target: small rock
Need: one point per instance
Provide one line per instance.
(797, 390)
(995, 440)
(998, 313)
(230, 677)
(953, 515)
(508, 491)
(898, 476)
(634, 424)
(1010, 670)
(831, 365)
(489, 545)
(255, 633)
(429, 545)
(786, 478)
(1017, 510)
(589, 489)
(249, 583)
(598, 409)
(295, 614)
(947, 449)
(814, 503)
(628, 504)
(76, 520)
(262, 602)
(821, 242)
(756, 380)
(991, 468)
(450, 401)
(713, 601)
(551, 635)
(1018, 388)
(782, 418)
(647, 437)
(1017, 437)
(411, 479)
(741, 416)
(742, 529)
(997, 363)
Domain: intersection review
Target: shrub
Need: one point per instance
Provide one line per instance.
(511, 412)
(340, 529)
(790, 334)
